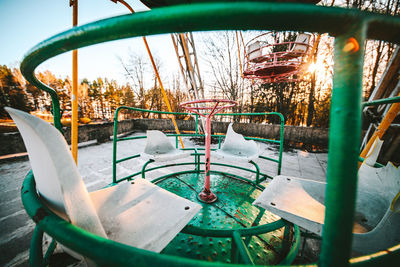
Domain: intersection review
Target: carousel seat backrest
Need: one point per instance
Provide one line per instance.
(159, 148)
(138, 213)
(58, 181)
(302, 202)
(237, 148)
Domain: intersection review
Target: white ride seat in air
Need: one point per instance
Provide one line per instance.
(299, 47)
(159, 148)
(258, 51)
(237, 148)
(377, 217)
(136, 213)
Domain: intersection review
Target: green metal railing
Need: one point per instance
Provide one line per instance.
(377, 102)
(105, 252)
(196, 154)
(345, 117)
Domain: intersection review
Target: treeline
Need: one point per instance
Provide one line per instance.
(302, 102)
(97, 99)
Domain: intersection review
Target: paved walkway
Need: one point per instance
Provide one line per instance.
(95, 166)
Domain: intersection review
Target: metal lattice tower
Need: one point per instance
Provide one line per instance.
(188, 64)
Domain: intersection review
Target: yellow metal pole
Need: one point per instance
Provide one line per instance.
(74, 97)
(383, 126)
(162, 90)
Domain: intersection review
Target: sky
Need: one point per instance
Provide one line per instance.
(25, 23)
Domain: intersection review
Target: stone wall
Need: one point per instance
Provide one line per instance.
(295, 134)
(11, 143)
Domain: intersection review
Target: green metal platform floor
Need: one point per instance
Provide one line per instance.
(232, 210)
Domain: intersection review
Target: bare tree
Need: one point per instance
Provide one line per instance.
(135, 68)
(222, 58)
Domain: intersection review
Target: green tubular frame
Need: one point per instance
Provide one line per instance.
(390, 100)
(196, 134)
(345, 120)
(104, 254)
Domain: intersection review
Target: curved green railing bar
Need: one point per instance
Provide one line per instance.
(212, 16)
(345, 117)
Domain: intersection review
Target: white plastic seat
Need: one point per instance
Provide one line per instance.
(237, 148)
(254, 51)
(377, 217)
(137, 213)
(298, 48)
(258, 52)
(159, 148)
(301, 43)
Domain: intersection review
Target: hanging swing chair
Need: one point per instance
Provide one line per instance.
(270, 59)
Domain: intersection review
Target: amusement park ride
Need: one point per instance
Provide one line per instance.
(269, 60)
(192, 217)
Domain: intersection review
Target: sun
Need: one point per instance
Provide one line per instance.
(313, 67)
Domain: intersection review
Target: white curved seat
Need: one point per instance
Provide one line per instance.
(236, 148)
(299, 47)
(258, 52)
(137, 213)
(377, 217)
(159, 148)
(301, 43)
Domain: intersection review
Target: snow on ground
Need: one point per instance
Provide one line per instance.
(95, 166)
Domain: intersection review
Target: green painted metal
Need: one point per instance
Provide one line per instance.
(115, 139)
(208, 235)
(144, 170)
(128, 158)
(49, 252)
(345, 111)
(290, 257)
(145, 165)
(192, 248)
(130, 138)
(68, 234)
(257, 171)
(202, 135)
(197, 158)
(376, 165)
(197, 164)
(36, 251)
(255, 230)
(377, 102)
(268, 158)
(106, 249)
(344, 137)
(203, 17)
(242, 249)
(160, 3)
